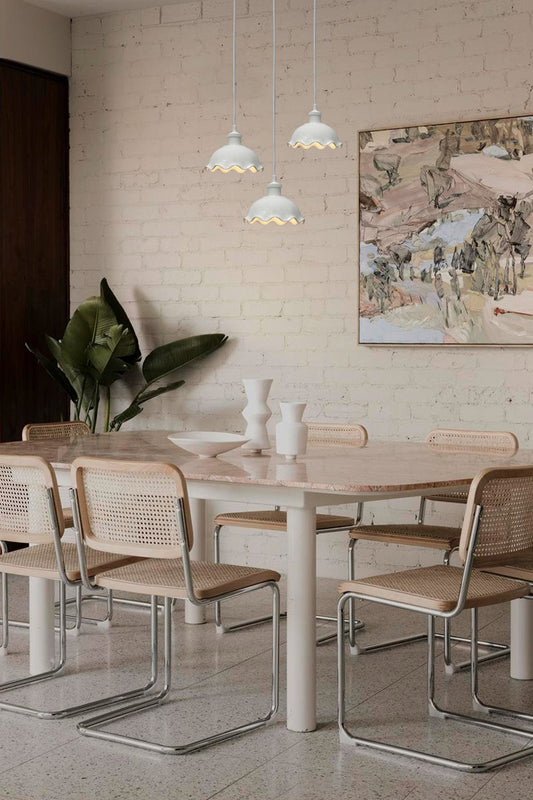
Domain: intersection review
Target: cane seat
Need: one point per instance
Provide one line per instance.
(437, 588)
(40, 561)
(166, 578)
(277, 520)
(436, 537)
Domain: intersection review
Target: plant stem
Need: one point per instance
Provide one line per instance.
(95, 408)
(107, 408)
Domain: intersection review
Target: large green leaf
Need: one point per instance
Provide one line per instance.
(57, 374)
(88, 325)
(144, 396)
(122, 318)
(169, 357)
(105, 359)
(83, 382)
(56, 349)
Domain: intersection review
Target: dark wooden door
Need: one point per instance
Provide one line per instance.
(34, 236)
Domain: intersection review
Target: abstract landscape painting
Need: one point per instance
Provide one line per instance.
(446, 218)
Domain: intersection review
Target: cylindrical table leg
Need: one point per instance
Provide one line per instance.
(301, 625)
(522, 640)
(195, 615)
(42, 636)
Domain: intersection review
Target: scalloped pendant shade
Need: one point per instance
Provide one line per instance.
(274, 207)
(234, 156)
(315, 133)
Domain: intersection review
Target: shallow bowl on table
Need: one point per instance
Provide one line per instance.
(207, 444)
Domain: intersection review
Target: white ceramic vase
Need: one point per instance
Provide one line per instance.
(257, 413)
(291, 432)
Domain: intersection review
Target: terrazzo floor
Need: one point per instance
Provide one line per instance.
(221, 681)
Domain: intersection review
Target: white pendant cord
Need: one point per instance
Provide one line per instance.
(314, 55)
(234, 67)
(274, 179)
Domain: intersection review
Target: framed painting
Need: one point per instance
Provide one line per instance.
(445, 246)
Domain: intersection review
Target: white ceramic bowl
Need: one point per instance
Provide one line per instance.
(207, 444)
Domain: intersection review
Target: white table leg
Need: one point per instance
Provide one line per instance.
(301, 624)
(522, 640)
(195, 615)
(42, 636)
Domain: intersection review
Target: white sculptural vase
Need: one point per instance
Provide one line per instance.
(291, 432)
(257, 413)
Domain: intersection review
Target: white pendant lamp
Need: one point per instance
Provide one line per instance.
(234, 155)
(274, 207)
(315, 133)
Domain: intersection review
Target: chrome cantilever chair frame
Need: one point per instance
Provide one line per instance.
(499, 650)
(91, 727)
(316, 429)
(61, 661)
(503, 442)
(354, 624)
(434, 710)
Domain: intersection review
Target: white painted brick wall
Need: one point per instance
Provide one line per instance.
(151, 99)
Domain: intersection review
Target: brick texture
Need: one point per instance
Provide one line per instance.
(151, 99)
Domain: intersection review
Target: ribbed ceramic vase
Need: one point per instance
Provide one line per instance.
(291, 432)
(257, 413)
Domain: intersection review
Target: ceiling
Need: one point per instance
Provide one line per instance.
(79, 8)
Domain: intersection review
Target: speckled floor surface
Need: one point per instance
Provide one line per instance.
(223, 680)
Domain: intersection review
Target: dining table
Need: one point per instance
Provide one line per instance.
(324, 476)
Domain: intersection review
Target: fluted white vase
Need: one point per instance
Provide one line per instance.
(257, 413)
(291, 432)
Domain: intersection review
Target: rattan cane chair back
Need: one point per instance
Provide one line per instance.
(337, 434)
(498, 442)
(25, 512)
(46, 431)
(131, 507)
(505, 529)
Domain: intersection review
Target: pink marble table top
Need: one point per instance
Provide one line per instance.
(378, 467)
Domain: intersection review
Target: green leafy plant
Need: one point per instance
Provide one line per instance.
(99, 347)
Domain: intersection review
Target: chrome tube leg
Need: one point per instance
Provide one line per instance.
(447, 628)
(167, 652)
(474, 624)
(341, 669)
(275, 649)
(422, 510)
(351, 577)
(5, 613)
(216, 544)
(78, 607)
(5, 604)
(433, 710)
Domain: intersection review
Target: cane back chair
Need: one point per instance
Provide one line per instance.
(436, 537)
(327, 435)
(141, 509)
(502, 443)
(497, 530)
(48, 431)
(30, 513)
(70, 430)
